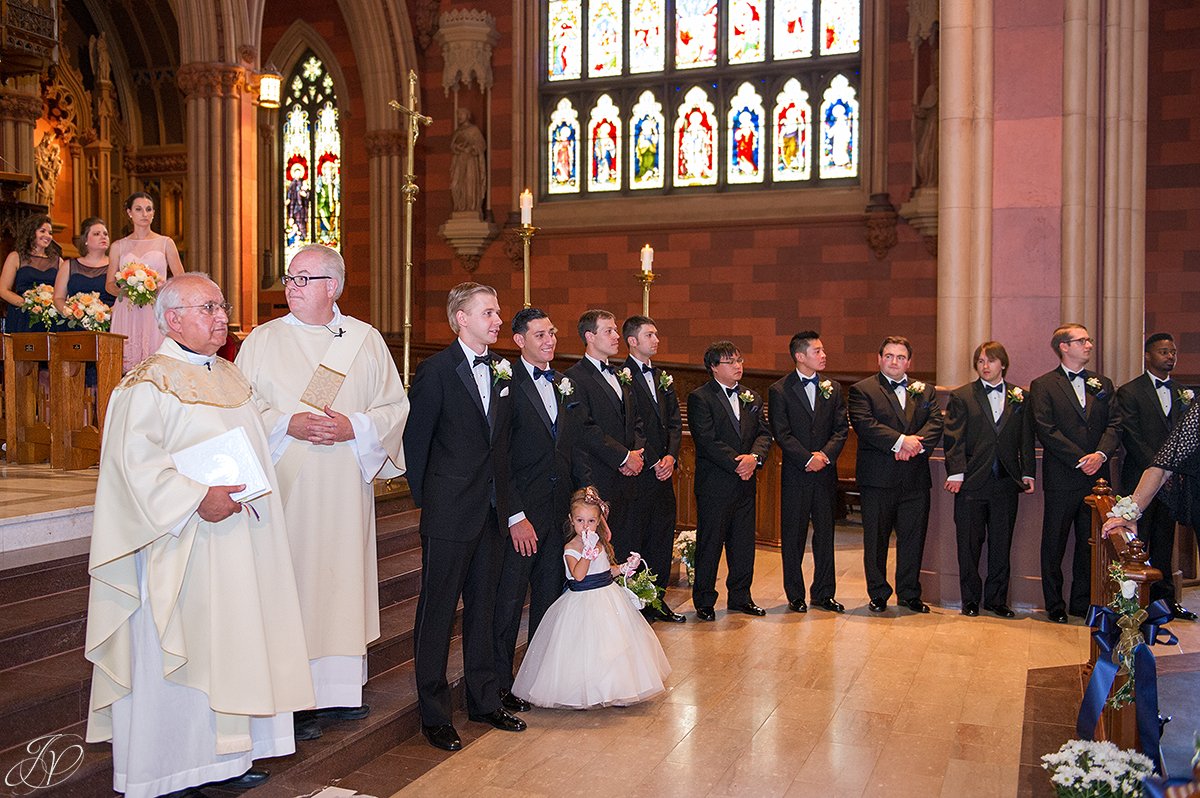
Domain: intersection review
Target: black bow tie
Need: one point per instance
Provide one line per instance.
(989, 388)
(547, 373)
(1071, 375)
(607, 367)
(485, 358)
(730, 391)
(806, 381)
(902, 384)
(647, 369)
(1161, 383)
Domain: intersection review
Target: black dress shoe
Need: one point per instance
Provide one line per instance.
(1182, 613)
(443, 737)
(501, 719)
(670, 616)
(916, 605)
(877, 605)
(970, 609)
(248, 780)
(1057, 617)
(650, 614)
(829, 604)
(308, 728)
(797, 605)
(1000, 609)
(514, 703)
(705, 614)
(749, 608)
(342, 713)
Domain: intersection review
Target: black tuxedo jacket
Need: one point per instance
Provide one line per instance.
(801, 430)
(661, 423)
(879, 420)
(456, 456)
(1068, 431)
(1144, 426)
(973, 442)
(608, 428)
(720, 438)
(540, 473)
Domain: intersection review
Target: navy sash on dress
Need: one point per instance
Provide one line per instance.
(591, 581)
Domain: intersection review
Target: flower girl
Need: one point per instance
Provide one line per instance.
(592, 649)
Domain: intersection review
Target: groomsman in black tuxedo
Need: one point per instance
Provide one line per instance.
(989, 462)
(652, 513)
(898, 423)
(1077, 419)
(808, 421)
(732, 442)
(456, 450)
(610, 442)
(539, 493)
(1151, 405)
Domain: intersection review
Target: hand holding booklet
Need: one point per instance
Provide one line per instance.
(226, 459)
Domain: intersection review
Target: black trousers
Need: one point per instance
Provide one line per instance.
(651, 525)
(1157, 528)
(729, 526)
(1066, 510)
(541, 575)
(799, 503)
(907, 512)
(451, 569)
(989, 513)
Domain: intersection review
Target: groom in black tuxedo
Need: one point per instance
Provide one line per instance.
(1151, 404)
(808, 420)
(898, 423)
(732, 442)
(610, 441)
(989, 462)
(652, 516)
(1077, 420)
(456, 451)
(539, 493)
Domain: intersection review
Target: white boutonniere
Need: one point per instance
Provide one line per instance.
(624, 376)
(501, 370)
(1015, 395)
(746, 396)
(916, 389)
(1186, 395)
(826, 388)
(665, 381)
(1095, 384)
(565, 386)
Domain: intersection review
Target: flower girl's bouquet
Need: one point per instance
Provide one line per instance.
(685, 549)
(39, 305)
(638, 582)
(86, 311)
(1096, 770)
(140, 283)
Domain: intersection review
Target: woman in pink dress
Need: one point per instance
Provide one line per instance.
(154, 251)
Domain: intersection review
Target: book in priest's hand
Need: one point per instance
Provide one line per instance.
(226, 459)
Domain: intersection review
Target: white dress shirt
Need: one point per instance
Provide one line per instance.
(545, 390)
(1164, 393)
(609, 377)
(1079, 385)
(734, 401)
(482, 374)
(648, 376)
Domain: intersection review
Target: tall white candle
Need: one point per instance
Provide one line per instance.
(647, 258)
(526, 207)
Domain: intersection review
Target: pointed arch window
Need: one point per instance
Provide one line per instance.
(311, 158)
(678, 96)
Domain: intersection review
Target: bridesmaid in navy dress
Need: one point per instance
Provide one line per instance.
(35, 260)
(89, 271)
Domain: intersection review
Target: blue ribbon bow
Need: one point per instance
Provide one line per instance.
(1107, 633)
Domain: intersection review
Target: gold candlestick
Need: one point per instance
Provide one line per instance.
(526, 232)
(645, 278)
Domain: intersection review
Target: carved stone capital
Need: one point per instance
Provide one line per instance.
(921, 212)
(469, 237)
(514, 248)
(20, 107)
(385, 142)
(159, 164)
(202, 80)
(881, 225)
(467, 37)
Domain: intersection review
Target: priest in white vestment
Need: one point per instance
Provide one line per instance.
(193, 625)
(334, 405)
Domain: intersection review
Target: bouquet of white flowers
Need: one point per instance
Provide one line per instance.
(1085, 769)
(639, 583)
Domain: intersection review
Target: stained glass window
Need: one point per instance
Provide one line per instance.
(745, 136)
(563, 40)
(840, 24)
(605, 43)
(791, 133)
(646, 143)
(839, 130)
(312, 159)
(695, 33)
(604, 144)
(695, 140)
(747, 31)
(563, 161)
(793, 29)
(647, 45)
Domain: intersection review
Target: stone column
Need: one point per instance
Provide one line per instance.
(98, 155)
(20, 107)
(385, 167)
(222, 181)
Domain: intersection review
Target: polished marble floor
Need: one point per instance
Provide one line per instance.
(816, 705)
(28, 489)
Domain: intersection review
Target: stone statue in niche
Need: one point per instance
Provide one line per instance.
(468, 170)
(925, 124)
(98, 50)
(48, 164)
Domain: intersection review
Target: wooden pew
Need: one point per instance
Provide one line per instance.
(27, 403)
(3, 403)
(78, 416)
